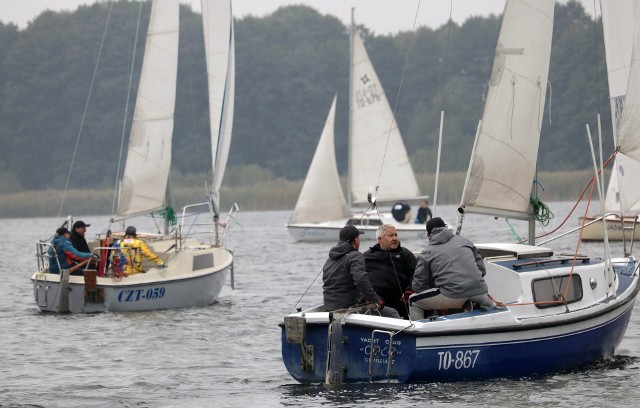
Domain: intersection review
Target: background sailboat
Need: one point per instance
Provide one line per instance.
(195, 271)
(618, 27)
(377, 158)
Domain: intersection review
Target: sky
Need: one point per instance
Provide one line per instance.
(381, 16)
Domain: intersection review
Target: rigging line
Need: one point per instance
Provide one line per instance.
(126, 112)
(593, 179)
(446, 56)
(86, 107)
(395, 106)
(305, 292)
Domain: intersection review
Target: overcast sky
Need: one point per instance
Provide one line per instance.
(382, 16)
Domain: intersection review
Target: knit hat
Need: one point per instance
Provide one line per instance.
(435, 223)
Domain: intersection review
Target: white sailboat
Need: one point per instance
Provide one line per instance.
(622, 214)
(554, 312)
(374, 138)
(195, 271)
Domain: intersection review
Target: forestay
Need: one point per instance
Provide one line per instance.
(146, 172)
(217, 21)
(503, 163)
(375, 139)
(321, 197)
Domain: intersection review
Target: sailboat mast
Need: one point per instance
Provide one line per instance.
(350, 141)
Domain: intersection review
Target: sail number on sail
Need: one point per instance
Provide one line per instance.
(135, 295)
(368, 94)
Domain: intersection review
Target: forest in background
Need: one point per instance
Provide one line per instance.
(289, 64)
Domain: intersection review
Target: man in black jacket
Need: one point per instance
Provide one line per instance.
(344, 276)
(390, 268)
(77, 236)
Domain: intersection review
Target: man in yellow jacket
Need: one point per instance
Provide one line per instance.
(130, 251)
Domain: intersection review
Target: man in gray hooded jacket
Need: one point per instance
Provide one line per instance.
(449, 272)
(345, 278)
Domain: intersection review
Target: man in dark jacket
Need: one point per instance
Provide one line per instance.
(449, 272)
(345, 278)
(390, 268)
(77, 236)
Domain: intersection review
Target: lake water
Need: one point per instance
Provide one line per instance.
(228, 354)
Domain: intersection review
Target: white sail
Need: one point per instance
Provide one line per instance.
(146, 172)
(628, 166)
(217, 20)
(503, 164)
(618, 27)
(321, 197)
(375, 139)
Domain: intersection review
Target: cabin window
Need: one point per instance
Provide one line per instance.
(375, 222)
(554, 289)
(203, 261)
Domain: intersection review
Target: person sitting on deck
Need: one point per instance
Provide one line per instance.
(129, 252)
(424, 213)
(449, 272)
(62, 254)
(390, 268)
(345, 279)
(401, 212)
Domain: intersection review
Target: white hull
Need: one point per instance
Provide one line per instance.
(595, 231)
(194, 277)
(328, 231)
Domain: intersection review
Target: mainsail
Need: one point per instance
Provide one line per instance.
(146, 173)
(623, 67)
(219, 41)
(321, 197)
(503, 163)
(374, 137)
(618, 26)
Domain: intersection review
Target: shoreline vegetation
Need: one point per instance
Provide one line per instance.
(265, 195)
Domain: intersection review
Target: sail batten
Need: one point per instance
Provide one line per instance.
(503, 163)
(146, 173)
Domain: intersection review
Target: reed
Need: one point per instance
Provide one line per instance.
(274, 194)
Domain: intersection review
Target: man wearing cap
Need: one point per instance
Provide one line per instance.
(390, 268)
(129, 253)
(62, 253)
(449, 272)
(77, 236)
(345, 278)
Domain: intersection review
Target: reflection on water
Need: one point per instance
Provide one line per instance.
(228, 354)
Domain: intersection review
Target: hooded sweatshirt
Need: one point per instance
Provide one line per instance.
(451, 263)
(345, 278)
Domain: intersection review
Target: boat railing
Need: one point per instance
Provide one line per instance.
(43, 257)
(185, 231)
(598, 219)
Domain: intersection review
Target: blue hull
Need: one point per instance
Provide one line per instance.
(418, 354)
(456, 357)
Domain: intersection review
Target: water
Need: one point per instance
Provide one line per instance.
(228, 354)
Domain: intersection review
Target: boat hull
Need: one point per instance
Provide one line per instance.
(329, 231)
(175, 287)
(420, 358)
(595, 231)
(530, 335)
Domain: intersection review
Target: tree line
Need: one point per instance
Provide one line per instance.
(289, 64)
